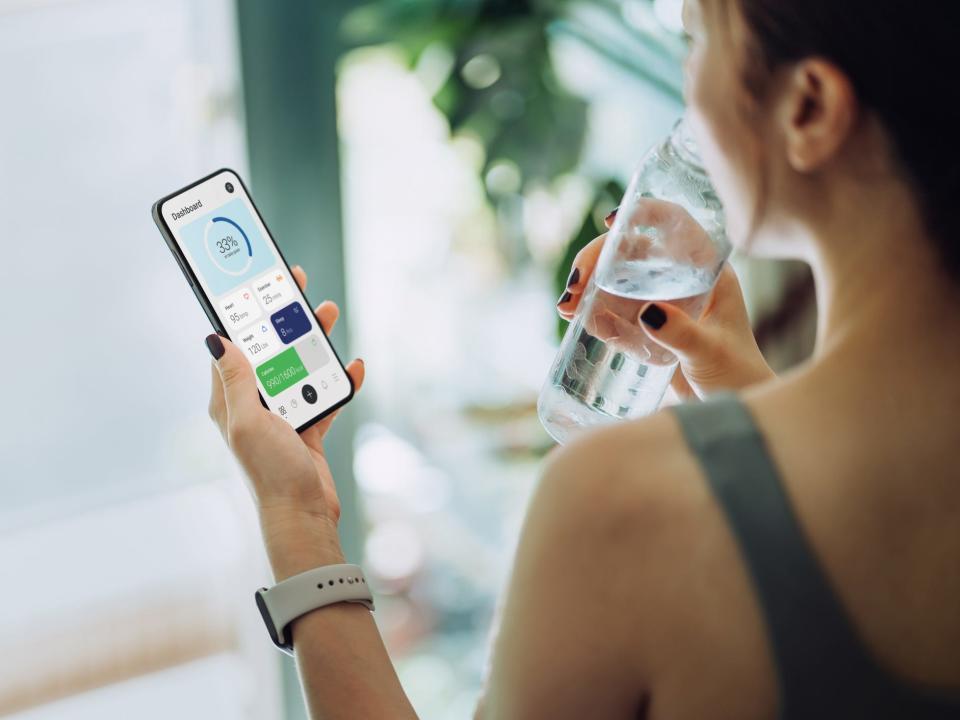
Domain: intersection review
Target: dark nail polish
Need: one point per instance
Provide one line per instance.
(654, 316)
(215, 346)
(574, 277)
(612, 215)
(564, 298)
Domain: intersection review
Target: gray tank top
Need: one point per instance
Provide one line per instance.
(823, 669)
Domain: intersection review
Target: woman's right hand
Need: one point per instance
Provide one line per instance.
(717, 353)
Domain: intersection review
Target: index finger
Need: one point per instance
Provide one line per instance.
(217, 407)
(300, 275)
(585, 261)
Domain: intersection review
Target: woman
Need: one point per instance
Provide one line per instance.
(793, 550)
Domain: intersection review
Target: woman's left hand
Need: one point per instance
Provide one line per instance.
(288, 472)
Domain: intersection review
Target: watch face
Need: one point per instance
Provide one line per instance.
(286, 646)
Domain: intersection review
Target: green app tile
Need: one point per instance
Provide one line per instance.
(281, 371)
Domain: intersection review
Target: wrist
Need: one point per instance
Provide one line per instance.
(297, 541)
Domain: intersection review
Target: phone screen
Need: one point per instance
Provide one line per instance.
(238, 273)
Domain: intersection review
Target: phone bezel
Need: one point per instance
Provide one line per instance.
(207, 305)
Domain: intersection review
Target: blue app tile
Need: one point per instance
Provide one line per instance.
(290, 323)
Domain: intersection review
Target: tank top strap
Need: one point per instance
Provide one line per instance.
(818, 657)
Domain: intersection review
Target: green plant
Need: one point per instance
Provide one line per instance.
(502, 87)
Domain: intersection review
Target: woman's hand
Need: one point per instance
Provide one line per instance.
(288, 472)
(717, 353)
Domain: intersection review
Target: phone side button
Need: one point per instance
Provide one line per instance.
(183, 268)
(182, 264)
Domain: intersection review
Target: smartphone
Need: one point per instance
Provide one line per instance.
(245, 286)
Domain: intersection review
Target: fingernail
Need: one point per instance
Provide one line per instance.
(564, 298)
(612, 215)
(215, 346)
(654, 316)
(574, 277)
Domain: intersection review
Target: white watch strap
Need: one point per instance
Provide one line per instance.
(299, 594)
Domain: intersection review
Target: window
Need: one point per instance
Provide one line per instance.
(132, 544)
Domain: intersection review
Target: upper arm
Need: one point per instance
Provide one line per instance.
(571, 639)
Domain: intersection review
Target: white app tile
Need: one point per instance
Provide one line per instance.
(273, 290)
(259, 342)
(239, 309)
(312, 352)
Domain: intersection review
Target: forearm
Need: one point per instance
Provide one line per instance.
(344, 668)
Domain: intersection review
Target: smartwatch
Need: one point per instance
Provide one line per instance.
(299, 594)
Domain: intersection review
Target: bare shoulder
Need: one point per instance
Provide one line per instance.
(641, 469)
(633, 490)
(656, 438)
(581, 594)
(675, 586)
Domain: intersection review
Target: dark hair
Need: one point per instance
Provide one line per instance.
(901, 58)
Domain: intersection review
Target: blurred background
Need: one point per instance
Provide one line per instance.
(434, 165)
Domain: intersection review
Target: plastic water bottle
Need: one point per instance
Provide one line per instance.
(667, 244)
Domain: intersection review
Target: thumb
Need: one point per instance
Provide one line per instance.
(672, 328)
(236, 376)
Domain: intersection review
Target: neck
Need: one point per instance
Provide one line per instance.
(882, 290)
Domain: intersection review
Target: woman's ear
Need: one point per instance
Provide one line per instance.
(818, 109)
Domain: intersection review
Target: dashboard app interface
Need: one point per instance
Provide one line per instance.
(256, 299)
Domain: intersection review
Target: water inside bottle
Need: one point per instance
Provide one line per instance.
(657, 278)
(612, 370)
